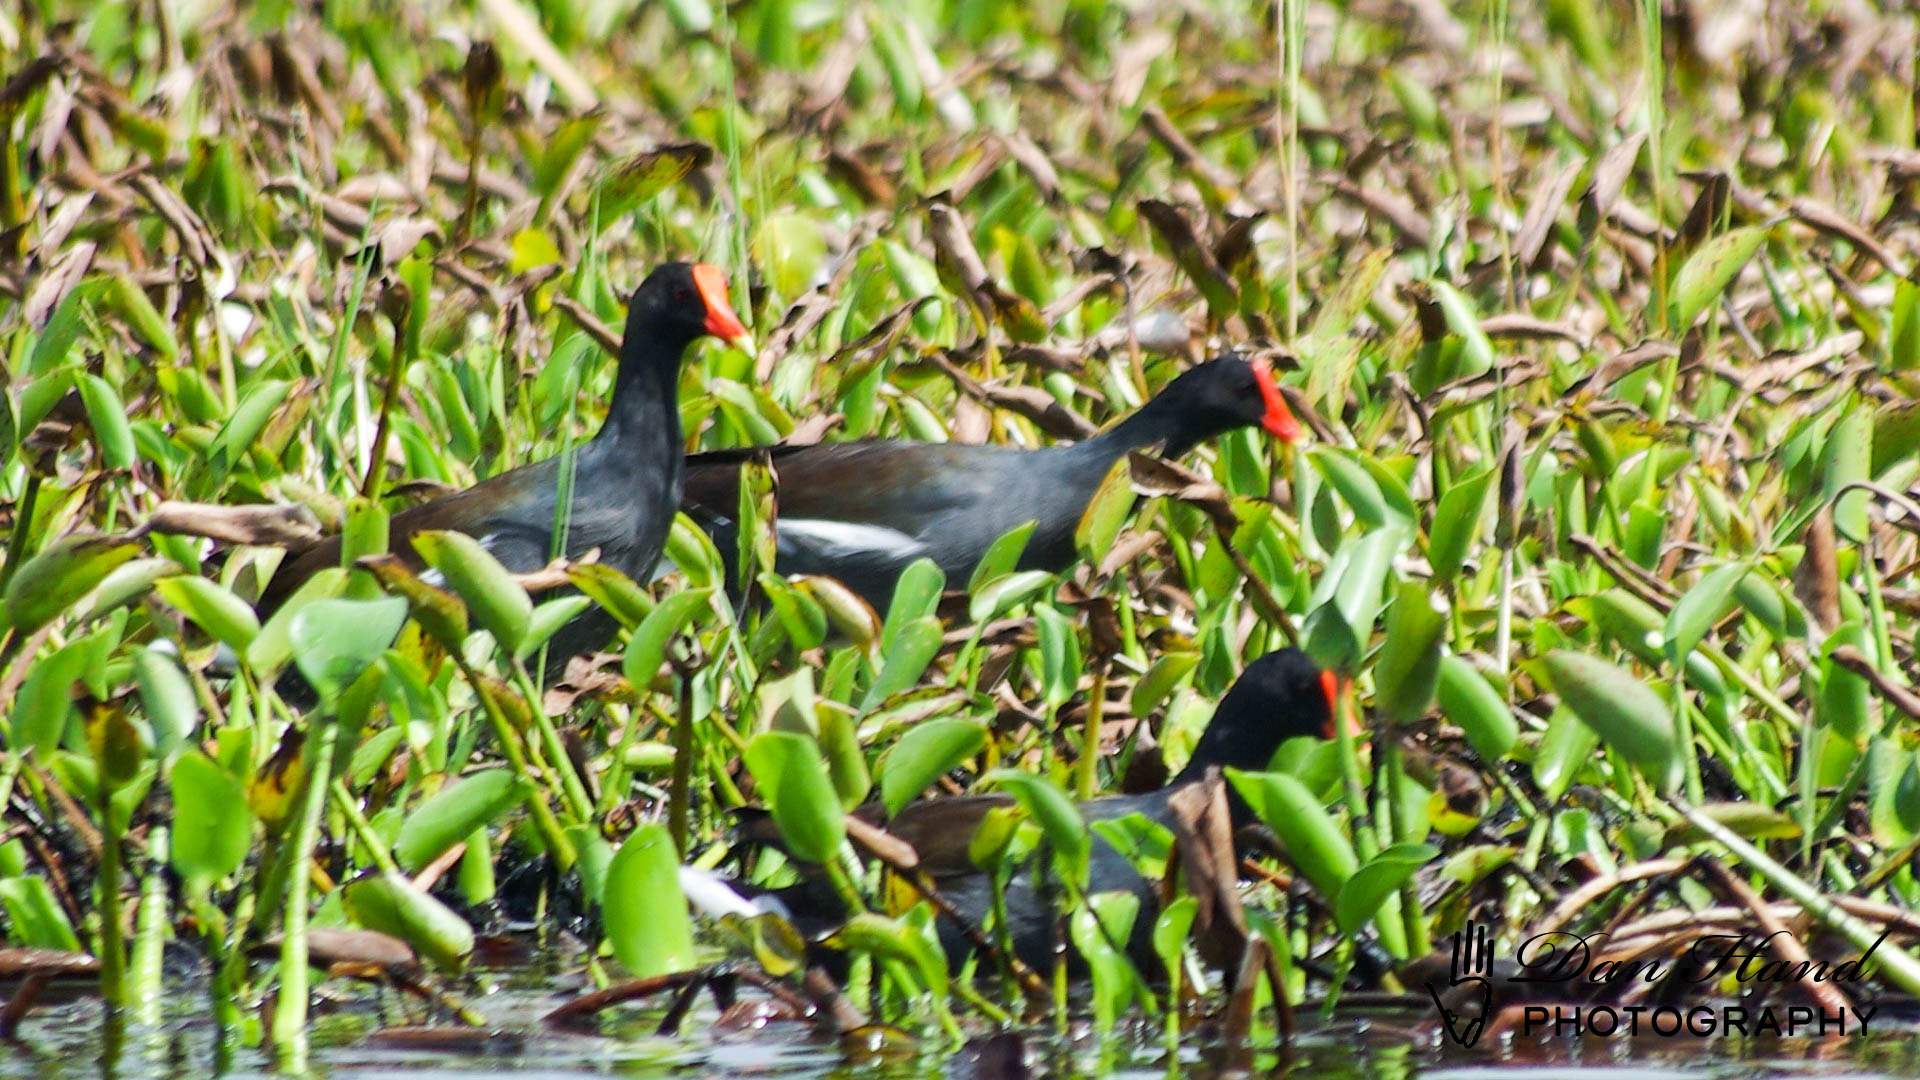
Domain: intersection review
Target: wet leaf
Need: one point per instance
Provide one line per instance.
(646, 913)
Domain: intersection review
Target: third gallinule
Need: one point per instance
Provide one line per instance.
(862, 511)
(1280, 696)
(627, 478)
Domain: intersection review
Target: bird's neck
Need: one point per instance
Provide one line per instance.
(1227, 745)
(645, 408)
(1156, 422)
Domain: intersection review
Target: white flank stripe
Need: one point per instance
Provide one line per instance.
(714, 897)
(843, 539)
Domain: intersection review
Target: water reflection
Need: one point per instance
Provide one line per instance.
(69, 1036)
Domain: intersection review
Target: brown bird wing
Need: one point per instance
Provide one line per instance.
(475, 511)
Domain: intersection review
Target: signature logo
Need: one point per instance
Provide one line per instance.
(1467, 986)
(1587, 986)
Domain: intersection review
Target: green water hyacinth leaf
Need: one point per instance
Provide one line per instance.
(1705, 604)
(1161, 679)
(1472, 704)
(1000, 557)
(127, 299)
(335, 640)
(454, 812)
(393, 905)
(647, 648)
(107, 416)
(274, 644)
(1059, 819)
(246, 423)
(1455, 523)
(794, 781)
(1903, 342)
(846, 761)
(924, 754)
(1106, 514)
(1476, 349)
(1565, 749)
(40, 711)
(1847, 458)
(847, 612)
(1171, 928)
(613, 591)
(212, 825)
(1845, 697)
(477, 882)
(804, 620)
(645, 909)
(1314, 841)
(916, 595)
(893, 939)
(496, 600)
(1627, 715)
(1896, 434)
(167, 699)
(1060, 665)
(1100, 930)
(439, 612)
(126, 583)
(224, 616)
(1708, 271)
(1005, 593)
(34, 915)
(1363, 894)
(1408, 665)
(690, 549)
(1357, 487)
(596, 857)
(547, 620)
(56, 578)
(903, 662)
(1630, 622)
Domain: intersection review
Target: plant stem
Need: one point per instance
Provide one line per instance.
(679, 809)
(113, 952)
(290, 1011)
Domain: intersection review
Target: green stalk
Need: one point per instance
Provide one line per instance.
(680, 806)
(1088, 767)
(1419, 943)
(376, 845)
(1896, 964)
(509, 740)
(222, 986)
(150, 933)
(22, 525)
(1353, 792)
(290, 1010)
(570, 783)
(113, 950)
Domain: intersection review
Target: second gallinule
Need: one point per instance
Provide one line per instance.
(627, 478)
(1278, 697)
(862, 511)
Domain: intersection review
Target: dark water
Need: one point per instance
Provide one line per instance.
(68, 1035)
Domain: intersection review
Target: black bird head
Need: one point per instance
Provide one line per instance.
(1280, 696)
(1220, 395)
(678, 303)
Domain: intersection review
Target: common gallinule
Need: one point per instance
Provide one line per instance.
(862, 511)
(627, 478)
(1280, 696)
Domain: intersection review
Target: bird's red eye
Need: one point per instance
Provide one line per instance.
(683, 295)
